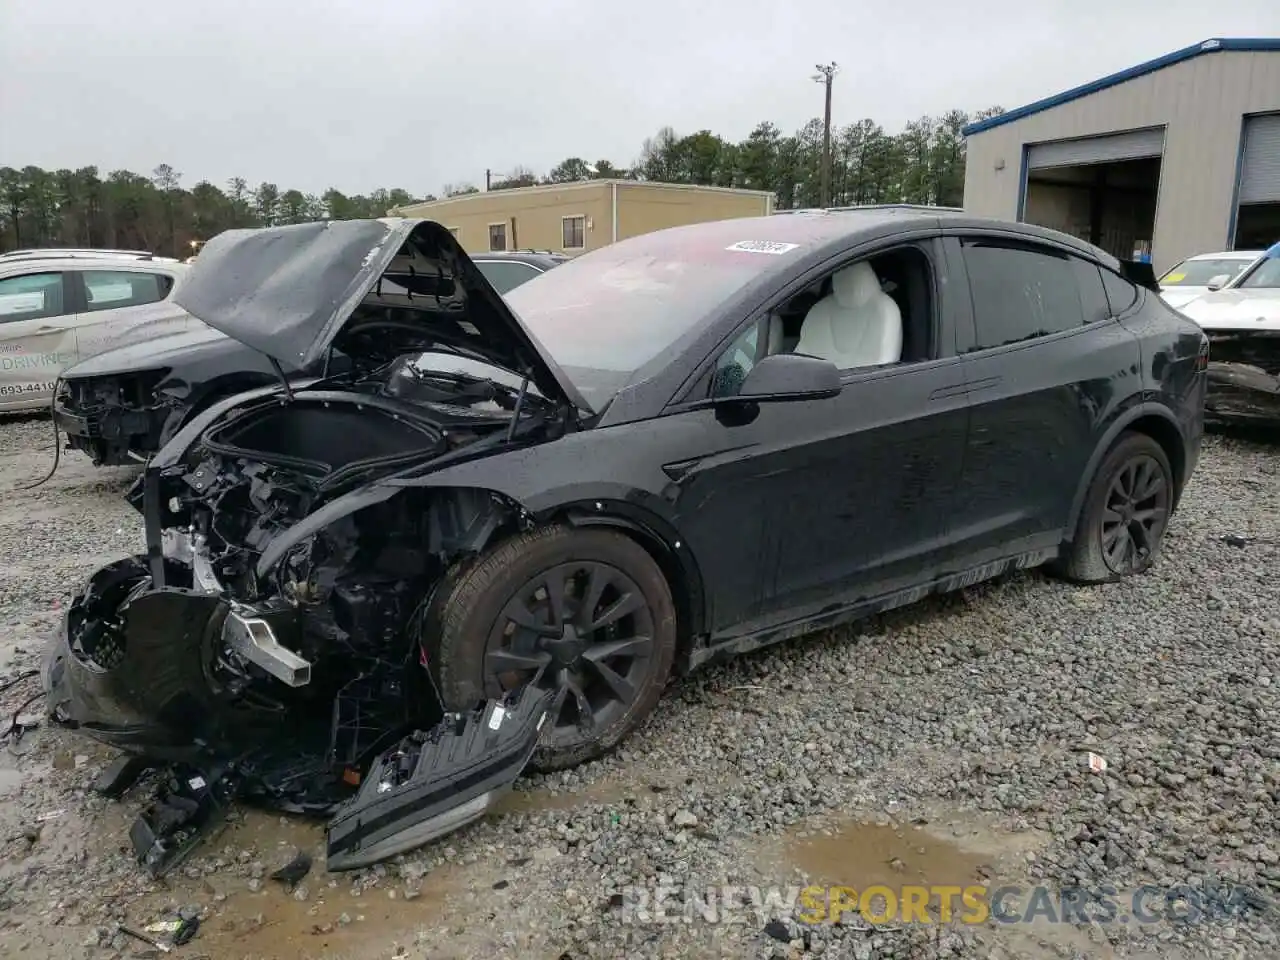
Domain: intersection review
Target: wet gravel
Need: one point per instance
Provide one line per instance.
(952, 743)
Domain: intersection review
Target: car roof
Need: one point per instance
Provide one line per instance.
(84, 261)
(542, 257)
(816, 230)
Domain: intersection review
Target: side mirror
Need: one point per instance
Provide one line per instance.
(1218, 282)
(790, 376)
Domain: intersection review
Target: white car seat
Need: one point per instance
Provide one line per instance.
(856, 325)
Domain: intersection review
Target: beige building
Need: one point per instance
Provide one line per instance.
(575, 217)
(1177, 156)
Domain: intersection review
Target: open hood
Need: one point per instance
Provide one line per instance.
(376, 288)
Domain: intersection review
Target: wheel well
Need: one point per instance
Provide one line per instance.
(684, 594)
(1163, 432)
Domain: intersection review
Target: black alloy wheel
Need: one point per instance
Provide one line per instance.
(585, 626)
(1134, 516)
(586, 611)
(1126, 511)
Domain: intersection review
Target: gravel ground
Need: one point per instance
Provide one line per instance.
(948, 743)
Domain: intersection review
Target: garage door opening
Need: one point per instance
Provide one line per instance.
(1100, 189)
(1258, 218)
(1257, 226)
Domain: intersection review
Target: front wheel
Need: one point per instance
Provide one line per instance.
(586, 610)
(1126, 511)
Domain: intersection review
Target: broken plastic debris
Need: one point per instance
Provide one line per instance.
(1097, 763)
(295, 869)
(1235, 540)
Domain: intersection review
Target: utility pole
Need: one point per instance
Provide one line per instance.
(487, 180)
(824, 76)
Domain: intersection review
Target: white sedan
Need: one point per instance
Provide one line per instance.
(58, 307)
(1204, 273)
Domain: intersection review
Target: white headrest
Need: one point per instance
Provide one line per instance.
(855, 285)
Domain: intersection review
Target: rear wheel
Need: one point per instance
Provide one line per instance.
(586, 610)
(1126, 511)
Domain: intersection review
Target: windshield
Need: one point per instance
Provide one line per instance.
(1265, 274)
(606, 314)
(1198, 273)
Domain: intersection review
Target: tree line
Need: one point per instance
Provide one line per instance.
(924, 163)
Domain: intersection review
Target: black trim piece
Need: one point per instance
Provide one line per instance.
(1140, 274)
(151, 507)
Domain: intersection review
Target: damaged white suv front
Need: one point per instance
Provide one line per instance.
(1242, 321)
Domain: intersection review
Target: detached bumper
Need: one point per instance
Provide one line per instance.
(1242, 392)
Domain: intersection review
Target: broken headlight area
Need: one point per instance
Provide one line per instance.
(1244, 375)
(110, 417)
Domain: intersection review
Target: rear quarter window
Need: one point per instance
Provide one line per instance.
(112, 289)
(1121, 294)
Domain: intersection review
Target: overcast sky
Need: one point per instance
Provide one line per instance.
(359, 94)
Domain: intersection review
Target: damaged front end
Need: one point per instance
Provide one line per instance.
(112, 418)
(1244, 376)
(271, 644)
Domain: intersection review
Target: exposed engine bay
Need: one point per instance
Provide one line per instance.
(266, 649)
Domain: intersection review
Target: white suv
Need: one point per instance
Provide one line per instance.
(58, 307)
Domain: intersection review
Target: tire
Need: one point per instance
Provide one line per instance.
(467, 632)
(1086, 559)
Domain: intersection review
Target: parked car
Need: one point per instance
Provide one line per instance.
(60, 306)
(122, 405)
(1243, 323)
(379, 595)
(1204, 273)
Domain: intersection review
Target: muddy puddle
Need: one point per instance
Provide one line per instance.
(453, 910)
(939, 850)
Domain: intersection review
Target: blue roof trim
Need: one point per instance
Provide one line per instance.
(1256, 44)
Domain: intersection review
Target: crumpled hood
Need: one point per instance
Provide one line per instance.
(1238, 309)
(169, 349)
(377, 288)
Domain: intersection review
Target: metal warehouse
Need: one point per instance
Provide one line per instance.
(1174, 157)
(576, 217)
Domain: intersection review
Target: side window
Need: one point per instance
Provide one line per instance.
(876, 311)
(871, 312)
(506, 274)
(1121, 294)
(738, 360)
(110, 289)
(1093, 298)
(1021, 292)
(32, 296)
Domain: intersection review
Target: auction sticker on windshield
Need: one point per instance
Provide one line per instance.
(762, 246)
